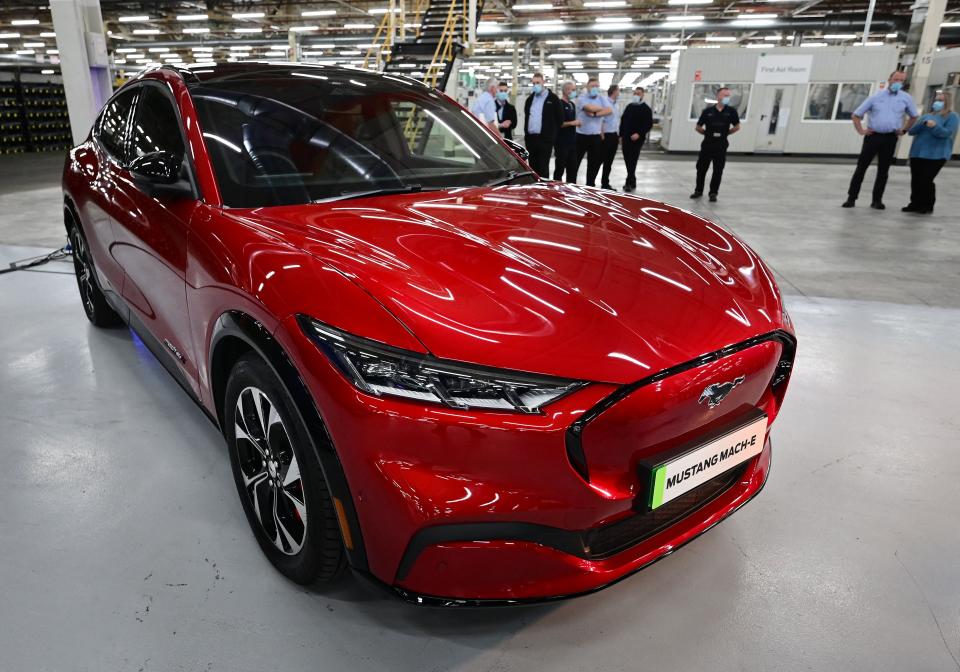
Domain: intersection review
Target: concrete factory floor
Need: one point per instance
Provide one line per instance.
(124, 546)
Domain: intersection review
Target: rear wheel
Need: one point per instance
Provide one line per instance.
(95, 303)
(278, 476)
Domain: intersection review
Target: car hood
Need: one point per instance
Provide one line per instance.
(546, 278)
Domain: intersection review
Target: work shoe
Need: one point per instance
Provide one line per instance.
(713, 198)
(878, 205)
(696, 194)
(849, 203)
(909, 208)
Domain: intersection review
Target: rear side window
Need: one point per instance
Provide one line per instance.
(155, 126)
(113, 123)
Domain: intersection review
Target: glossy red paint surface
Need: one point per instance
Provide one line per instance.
(545, 278)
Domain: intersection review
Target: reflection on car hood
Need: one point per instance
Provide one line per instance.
(547, 278)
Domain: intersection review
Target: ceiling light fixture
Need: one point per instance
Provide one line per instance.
(191, 17)
(132, 19)
(319, 12)
(249, 15)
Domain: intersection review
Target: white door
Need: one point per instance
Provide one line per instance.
(774, 117)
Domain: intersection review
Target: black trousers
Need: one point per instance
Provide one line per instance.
(610, 143)
(631, 153)
(923, 192)
(882, 146)
(540, 148)
(711, 152)
(565, 161)
(591, 147)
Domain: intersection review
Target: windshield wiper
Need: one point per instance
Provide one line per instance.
(345, 196)
(510, 177)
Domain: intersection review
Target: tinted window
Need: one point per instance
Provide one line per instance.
(705, 95)
(155, 126)
(851, 96)
(297, 139)
(112, 124)
(820, 101)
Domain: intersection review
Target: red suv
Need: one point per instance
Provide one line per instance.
(466, 383)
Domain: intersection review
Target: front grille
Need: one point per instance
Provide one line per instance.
(609, 540)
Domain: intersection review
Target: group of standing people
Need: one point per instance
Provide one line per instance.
(891, 113)
(589, 124)
(572, 127)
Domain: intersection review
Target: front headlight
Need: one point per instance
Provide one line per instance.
(380, 369)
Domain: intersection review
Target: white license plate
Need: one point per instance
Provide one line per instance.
(682, 474)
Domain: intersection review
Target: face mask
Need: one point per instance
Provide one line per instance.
(638, 99)
(573, 95)
(594, 92)
(896, 86)
(725, 100)
(937, 105)
(502, 95)
(537, 89)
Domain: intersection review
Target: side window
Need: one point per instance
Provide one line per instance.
(155, 125)
(112, 124)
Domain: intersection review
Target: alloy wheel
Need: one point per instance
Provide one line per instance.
(84, 270)
(271, 473)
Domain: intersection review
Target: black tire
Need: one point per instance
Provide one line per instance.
(95, 305)
(273, 449)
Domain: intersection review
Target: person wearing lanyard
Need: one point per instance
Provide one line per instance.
(506, 112)
(933, 138)
(565, 149)
(610, 136)
(485, 107)
(543, 116)
(716, 123)
(636, 123)
(885, 111)
(591, 108)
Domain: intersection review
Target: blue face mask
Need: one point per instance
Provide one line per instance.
(725, 100)
(573, 95)
(502, 95)
(537, 89)
(896, 86)
(638, 99)
(594, 92)
(937, 105)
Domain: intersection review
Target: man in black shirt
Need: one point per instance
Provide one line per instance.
(506, 112)
(716, 124)
(636, 122)
(565, 149)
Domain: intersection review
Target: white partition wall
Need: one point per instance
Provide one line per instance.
(791, 100)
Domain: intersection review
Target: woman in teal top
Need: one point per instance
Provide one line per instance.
(933, 137)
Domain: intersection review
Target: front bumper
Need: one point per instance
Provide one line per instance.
(507, 571)
(461, 507)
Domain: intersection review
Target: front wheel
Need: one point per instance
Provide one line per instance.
(95, 303)
(278, 476)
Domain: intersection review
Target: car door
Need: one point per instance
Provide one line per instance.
(151, 234)
(109, 157)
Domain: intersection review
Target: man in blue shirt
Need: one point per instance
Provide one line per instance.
(543, 117)
(485, 108)
(591, 109)
(610, 132)
(885, 111)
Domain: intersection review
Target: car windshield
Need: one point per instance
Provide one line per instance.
(326, 134)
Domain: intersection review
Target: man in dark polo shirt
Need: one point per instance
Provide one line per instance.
(565, 148)
(716, 123)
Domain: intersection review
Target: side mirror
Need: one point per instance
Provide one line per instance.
(519, 149)
(158, 174)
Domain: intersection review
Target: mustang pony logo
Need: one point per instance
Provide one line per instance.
(717, 392)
